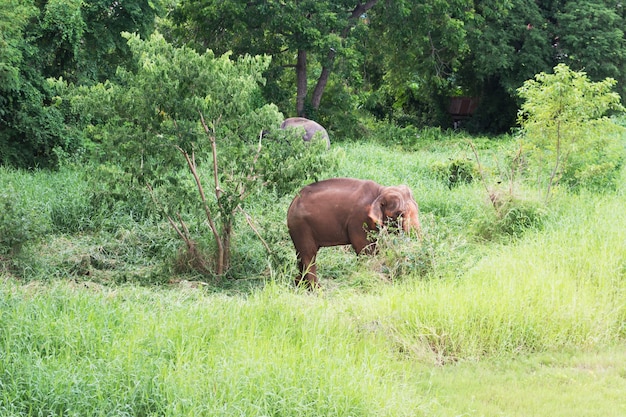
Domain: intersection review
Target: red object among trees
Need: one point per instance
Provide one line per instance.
(462, 108)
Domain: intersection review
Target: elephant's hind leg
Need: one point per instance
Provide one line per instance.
(307, 277)
(306, 251)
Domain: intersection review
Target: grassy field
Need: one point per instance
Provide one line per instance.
(478, 320)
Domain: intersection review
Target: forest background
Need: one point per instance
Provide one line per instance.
(341, 63)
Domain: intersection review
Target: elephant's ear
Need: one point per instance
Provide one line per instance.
(375, 213)
(385, 205)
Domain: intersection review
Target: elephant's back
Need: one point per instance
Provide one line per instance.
(341, 186)
(311, 128)
(333, 194)
(294, 122)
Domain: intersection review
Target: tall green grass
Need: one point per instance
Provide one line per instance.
(69, 349)
(76, 351)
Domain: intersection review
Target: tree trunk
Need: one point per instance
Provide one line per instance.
(301, 82)
(356, 14)
(318, 91)
(226, 237)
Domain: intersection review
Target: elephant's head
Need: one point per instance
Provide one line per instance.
(396, 206)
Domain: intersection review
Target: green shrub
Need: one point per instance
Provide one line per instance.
(21, 225)
(15, 225)
(407, 136)
(188, 127)
(392, 134)
(287, 162)
(401, 255)
(565, 132)
(598, 166)
(115, 198)
(456, 172)
(509, 216)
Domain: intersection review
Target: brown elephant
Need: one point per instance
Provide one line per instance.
(342, 211)
(310, 128)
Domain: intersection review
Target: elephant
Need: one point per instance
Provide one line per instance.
(310, 128)
(343, 211)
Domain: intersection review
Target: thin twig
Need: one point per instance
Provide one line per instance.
(169, 218)
(216, 235)
(183, 225)
(254, 229)
(556, 162)
(211, 135)
(482, 175)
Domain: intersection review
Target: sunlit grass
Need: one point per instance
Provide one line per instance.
(88, 349)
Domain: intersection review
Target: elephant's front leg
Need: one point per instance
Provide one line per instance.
(360, 241)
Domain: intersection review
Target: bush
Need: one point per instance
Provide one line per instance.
(15, 225)
(598, 166)
(115, 198)
(187, 126)
(565, 132)
(456, 172)
(512, 217)
(408, 137)
(21, 224)
(287, 162)
(392, 134)
(404, 255)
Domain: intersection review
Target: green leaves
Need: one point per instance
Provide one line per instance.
(593, 37)
(14, 15)
(159, 104)
(566, 133)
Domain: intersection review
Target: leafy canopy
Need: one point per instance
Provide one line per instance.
(78, 41)
(138, 120)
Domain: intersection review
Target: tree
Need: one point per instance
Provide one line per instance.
(591, 39)
(31, 127)
(14, 16)
(178, 105)
(415, 49)
(293, 32)
(566, 133)
(511, 41)
(79, 41)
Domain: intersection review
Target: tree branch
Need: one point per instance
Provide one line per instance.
(220, 246)
(254, 229)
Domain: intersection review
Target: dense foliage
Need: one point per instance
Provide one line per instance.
(185, 99)
(341, 63)
(183, 110)
(77, 41)
(510, 42)
(168, 173)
